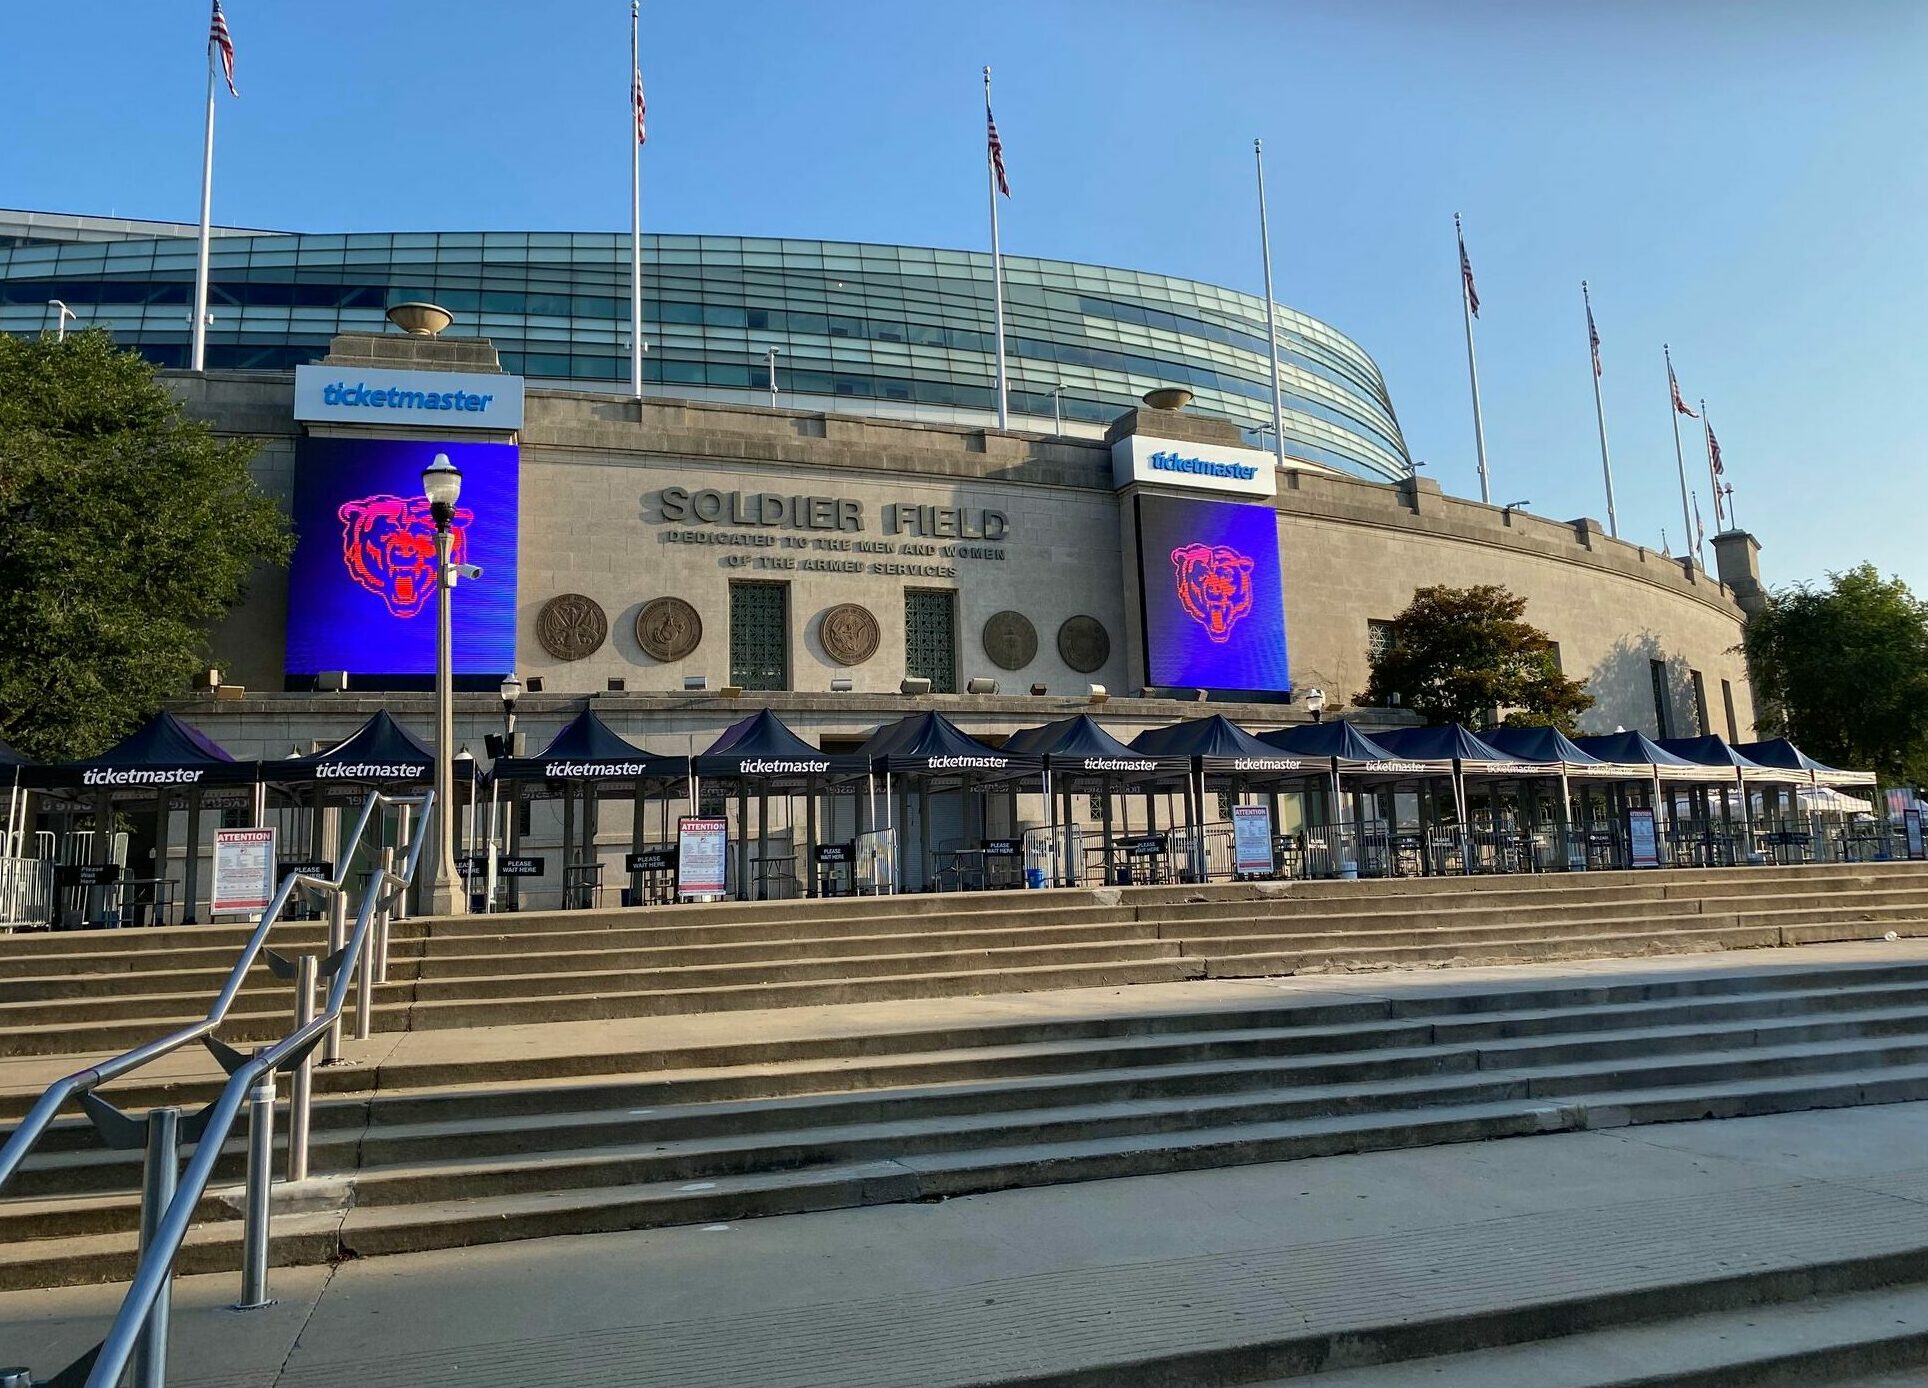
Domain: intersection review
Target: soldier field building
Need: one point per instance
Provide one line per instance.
(811, 509)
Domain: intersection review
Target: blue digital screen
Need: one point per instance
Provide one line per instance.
(1214, 602)
(361, 588)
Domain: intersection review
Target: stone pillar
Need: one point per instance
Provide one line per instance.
(1737, 558)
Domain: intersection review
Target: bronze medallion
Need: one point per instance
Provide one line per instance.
(668, 628)
(571, 626)
(1010, 640)
(1084, 644)
(849, 633)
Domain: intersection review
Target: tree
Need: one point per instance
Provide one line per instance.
(126, 529)
(1456, 653)
(1842, 670)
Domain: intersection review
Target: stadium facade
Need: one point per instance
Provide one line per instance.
(865, 547)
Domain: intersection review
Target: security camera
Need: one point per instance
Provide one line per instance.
(458, 572)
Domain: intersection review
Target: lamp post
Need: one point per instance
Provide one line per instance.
(1315, 703)
(1057, 408)
(511, 691)
(770, 355)
(442, 485)
(60, 329)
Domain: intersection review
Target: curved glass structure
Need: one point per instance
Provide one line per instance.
(901, 331)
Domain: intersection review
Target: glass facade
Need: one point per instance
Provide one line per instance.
(901, 331)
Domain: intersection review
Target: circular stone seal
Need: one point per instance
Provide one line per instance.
(1084, 644)
(668, 629)
(1010, 640)
(571, 626)
(849, 633)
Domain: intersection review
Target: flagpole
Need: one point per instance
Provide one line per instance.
(635, 214)
(1600, 412)
(1713, 478)
(1680, 461)
(1271, 325)
(1472, 366)
(1731, 518)
(200, 353)
(997, 270)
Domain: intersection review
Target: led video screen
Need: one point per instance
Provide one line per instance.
(1214, 602)
(361, 588)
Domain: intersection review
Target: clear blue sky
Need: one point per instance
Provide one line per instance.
(1742, 180)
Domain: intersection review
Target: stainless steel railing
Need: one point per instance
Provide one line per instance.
(141, 1326)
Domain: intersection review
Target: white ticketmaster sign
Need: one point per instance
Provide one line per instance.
(430, 399)
(1209, 467)
(244, 877)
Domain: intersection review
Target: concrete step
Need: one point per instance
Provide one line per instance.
(357, 1226)
(600, 1138)
(1837, 1340)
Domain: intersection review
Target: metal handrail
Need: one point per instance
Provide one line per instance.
(156, 1264)
(21, 1142)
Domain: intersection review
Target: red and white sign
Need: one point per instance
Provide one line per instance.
(702, 854)
(244, 876)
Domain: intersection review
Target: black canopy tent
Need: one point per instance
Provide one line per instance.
(1224, 755)
(931, 753)
(160, 757)
(379, 755)
(760, 755)
(1780, 753)
(1451, 752)
(1739, 771)
(585, 763)
(1345, 751)
(1080, 757)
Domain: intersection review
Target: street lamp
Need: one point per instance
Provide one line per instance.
(60, 330)
(770, 355)
(1057, 408)
(1315, 703)
(1512, 506)
(442, 485)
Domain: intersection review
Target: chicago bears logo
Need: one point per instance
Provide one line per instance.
(1214, 587)
(388, 546)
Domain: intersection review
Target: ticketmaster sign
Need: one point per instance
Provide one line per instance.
(1194, 466)
(432, 399)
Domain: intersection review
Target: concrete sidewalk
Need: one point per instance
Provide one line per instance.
(422, 1053)
(1024, 1284)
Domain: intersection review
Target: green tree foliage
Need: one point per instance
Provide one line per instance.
(1457, 653)
(126, 529)
(1842, 669)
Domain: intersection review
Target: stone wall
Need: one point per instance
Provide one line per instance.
(594, 469)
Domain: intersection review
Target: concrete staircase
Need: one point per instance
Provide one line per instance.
(520, 1144)
(102, 991)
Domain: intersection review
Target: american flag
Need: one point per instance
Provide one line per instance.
(1593, 340)
(1466, 278)
(997, 152)
(1680, 405)
(1713, 452)
(637, 96)
(218, 37)
(1700, 531)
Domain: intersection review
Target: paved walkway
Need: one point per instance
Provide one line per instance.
(424, 1051)
(998, 1288)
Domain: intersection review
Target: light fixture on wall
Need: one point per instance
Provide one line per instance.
(695, 683)
(843, 684)
(617, 684)
(981, 684)
(915, 684)
(1097, 693)
(1315, 703)
(1040, 688)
